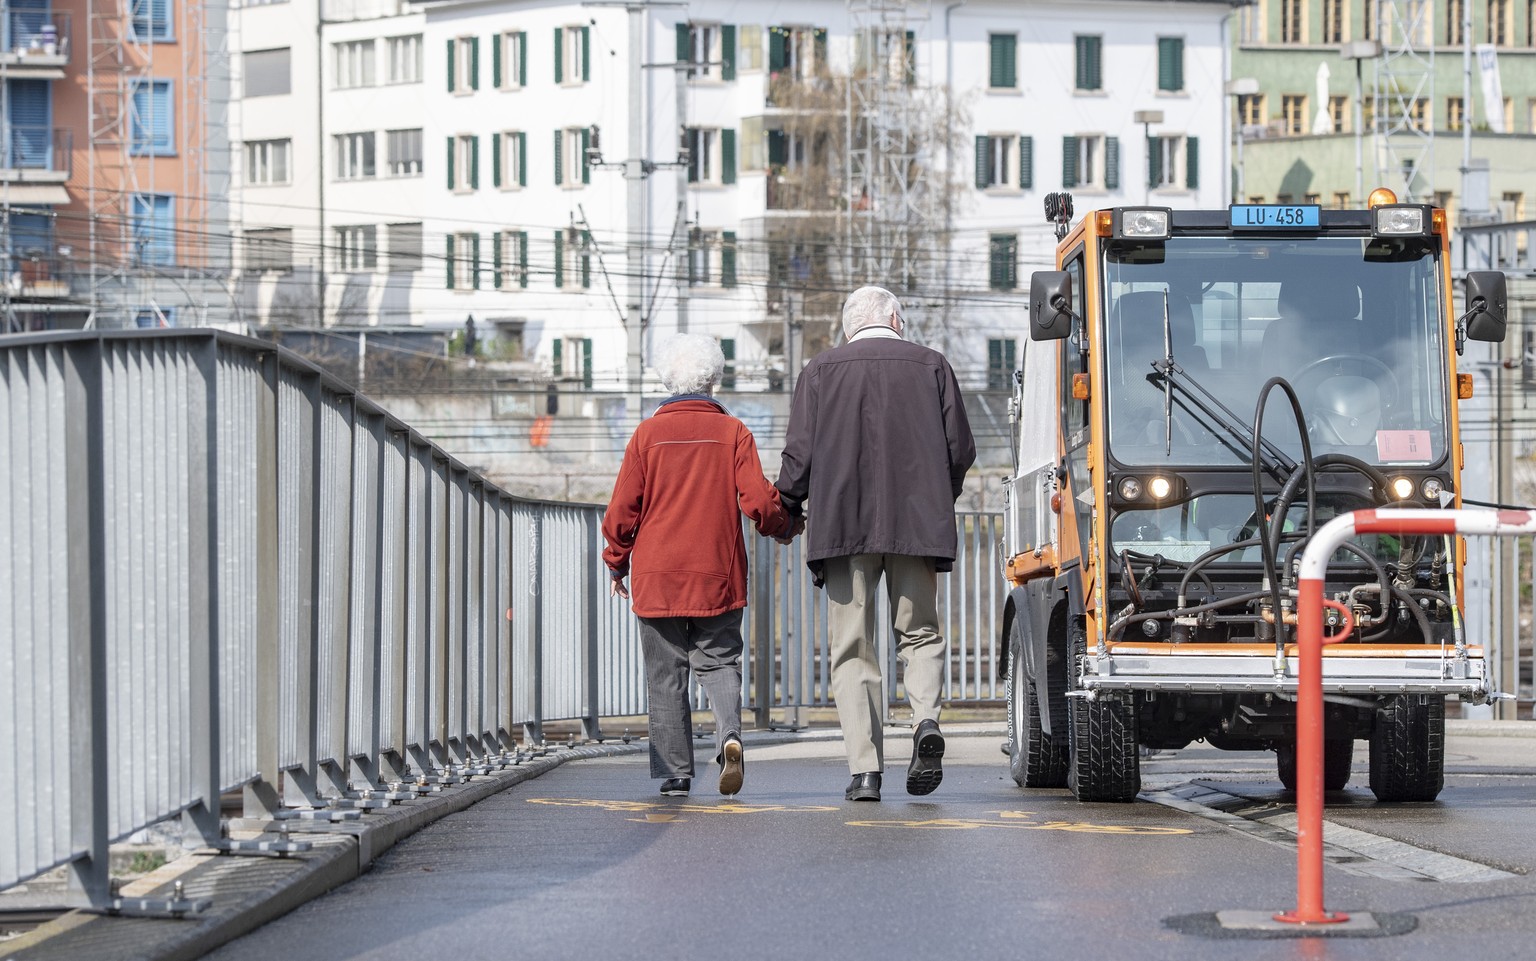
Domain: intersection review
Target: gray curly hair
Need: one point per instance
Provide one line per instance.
(869, 307)
(690, 364)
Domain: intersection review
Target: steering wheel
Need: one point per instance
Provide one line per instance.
(1386, 377)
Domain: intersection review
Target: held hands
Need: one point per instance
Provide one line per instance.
(796, 528)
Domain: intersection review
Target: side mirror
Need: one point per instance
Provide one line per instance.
(1486, 301)
(1050, 305)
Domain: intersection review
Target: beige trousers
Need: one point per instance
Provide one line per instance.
(912, 589)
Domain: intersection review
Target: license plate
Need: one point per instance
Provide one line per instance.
(1272, 216)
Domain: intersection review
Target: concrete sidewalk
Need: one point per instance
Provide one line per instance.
(248, 890)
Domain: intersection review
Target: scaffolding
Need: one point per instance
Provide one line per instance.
(1404, 95)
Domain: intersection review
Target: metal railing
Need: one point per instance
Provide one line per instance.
(222, 569)
(30, 147)
(35, 36)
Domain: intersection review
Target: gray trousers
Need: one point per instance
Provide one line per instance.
(711, 646)
(912, 590)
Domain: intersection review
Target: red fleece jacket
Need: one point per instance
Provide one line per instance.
(673, 524)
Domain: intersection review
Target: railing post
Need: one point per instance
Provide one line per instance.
(764, 570)
(533, 730)
(260, 796)
(592, 593)
(203, 736)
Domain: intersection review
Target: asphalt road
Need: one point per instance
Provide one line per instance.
(588, 862)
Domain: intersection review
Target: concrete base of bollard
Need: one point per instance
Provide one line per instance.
(1261, 925)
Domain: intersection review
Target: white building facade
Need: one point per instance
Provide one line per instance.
(479, 169)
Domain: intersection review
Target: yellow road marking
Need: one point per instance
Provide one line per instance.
(1020, 820)
(640, 807)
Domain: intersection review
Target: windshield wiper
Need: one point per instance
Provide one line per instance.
(1202, 404)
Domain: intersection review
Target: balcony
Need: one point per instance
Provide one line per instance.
(35, 154)
(35, 43)
(35, 276)
(801, 192)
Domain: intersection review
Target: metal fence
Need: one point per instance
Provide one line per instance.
(221, 569)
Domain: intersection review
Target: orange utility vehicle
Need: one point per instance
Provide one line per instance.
(1201, 390)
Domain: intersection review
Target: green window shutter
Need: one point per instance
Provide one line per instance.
(495, 160)
(728, 52)
(522, 59)
(586, 54)
(1088, 66)
(586, 171)
(559, 258)
(1004, 54)
(778, 49)
(450, 163)
(474, 163)
(983, 165)
(727, 258)
(996, 56)
(496, 241)
(559, 54)
(1069, 161)
(586, 258)
(909, 58)
(1154, 161)
(522, 160)
(451, 76)
(1001, 262)
(1170, 63)
(819, 42)
(728, 374)
(496, 42)
(554, 356)
(474, 63)
(559, 170)
(684, 48)
(1026, 163)
(586, 362)
(474, 261)
(448, 259)
(1192, 162)
(1112, 163)
(522, 258)
(727, 156)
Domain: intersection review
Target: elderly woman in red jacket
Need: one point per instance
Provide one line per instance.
(673, 527)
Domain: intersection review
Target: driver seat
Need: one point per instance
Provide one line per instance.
(1318, 316)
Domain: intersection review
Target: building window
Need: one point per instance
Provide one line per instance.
(463, 261)
(573, 55)
(1341, 200)
(571, 168)
(712, 258)
(749, 53)
(1004, 160)
(1454, 115)
(1170, 64)
(1091, 161)
(403, 152)
(354, 155)
(1173, 162)
(1368, 16)
(155, 317)
(1004, 61)
(573, 258)
(269, 249)
(267, 162)
(510, 160)
(1250, 24)
(1293, 109)
(1250, 110)
(1454, 11)
(886, 54)
(1335, 17)
(509, 63)
(711, 155)
(1003, 261)
(357, 248)
(1090, 68)
(463, 65)
(404, 58)
(797, 53)
(1418, 115)
(153, 125)
(1293, 21)
(405, 249)
(572, 357)
(1338, 109)
(151, 19)
(354, 64)
(154, 229)
(463, 163)
(1002, 361)
(1501, 26)
(510, 267)
(267, 73)
(700, 43)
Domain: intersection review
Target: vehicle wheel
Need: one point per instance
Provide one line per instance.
(1338, 753)
(1034, 759)
(1408, 748)
(1104, 764)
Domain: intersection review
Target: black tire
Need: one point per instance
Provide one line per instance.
(1408, 748)
(1104, 762)
(1338, 754)
(1034, 759)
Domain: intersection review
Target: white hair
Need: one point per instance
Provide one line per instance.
(869, 307)
(690, 363)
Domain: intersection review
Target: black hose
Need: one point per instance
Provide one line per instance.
(1119, 627)
(1260, 517)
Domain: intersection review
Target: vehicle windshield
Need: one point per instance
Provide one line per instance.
(1355, 325)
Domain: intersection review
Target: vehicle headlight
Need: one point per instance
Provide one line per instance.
(1402, 488)
(1130, 488)
(1160, 487)
(1399, 220)
(1143, 223)
(1432, 488)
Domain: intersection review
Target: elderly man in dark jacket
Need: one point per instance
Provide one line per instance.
(879, 445)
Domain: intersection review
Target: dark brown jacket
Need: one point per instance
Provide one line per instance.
(879, 444)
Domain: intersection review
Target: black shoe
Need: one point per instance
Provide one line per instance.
(676, 786)
(864, 787)
(927, 767)
(732, 766)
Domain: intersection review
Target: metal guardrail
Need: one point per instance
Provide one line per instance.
(222, 569)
